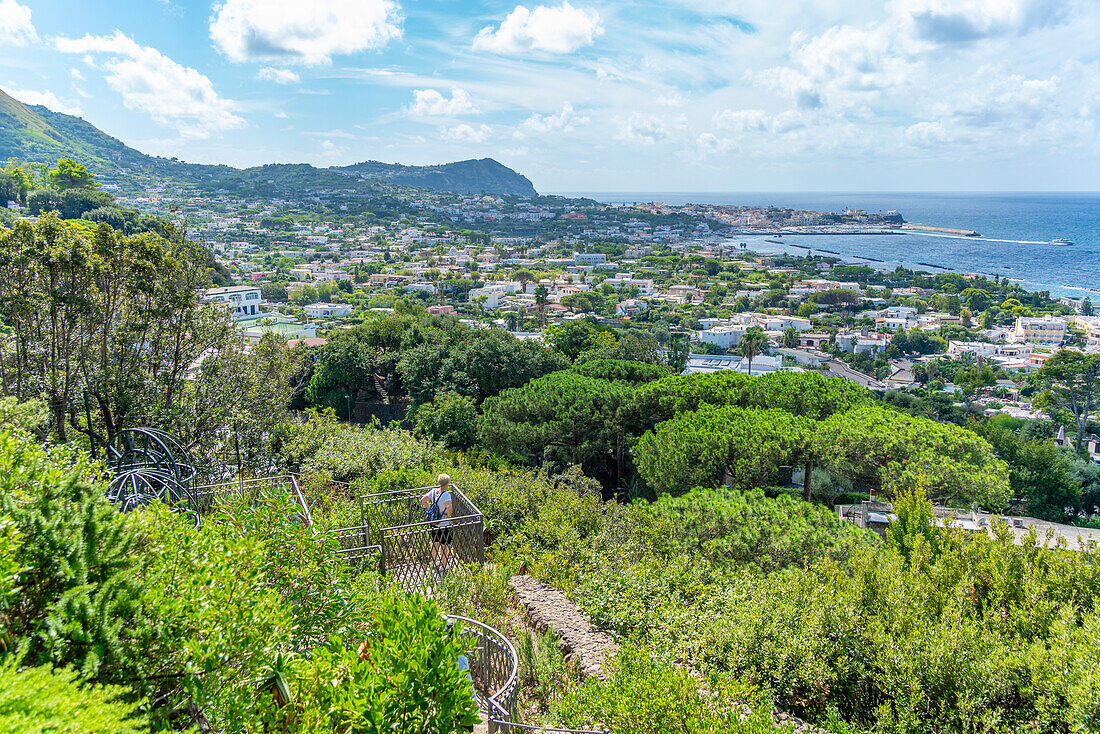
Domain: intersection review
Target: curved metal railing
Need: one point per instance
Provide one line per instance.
(494, 668)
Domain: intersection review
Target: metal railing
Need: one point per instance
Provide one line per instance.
(414, 551)
(494, 669)
(206, 498)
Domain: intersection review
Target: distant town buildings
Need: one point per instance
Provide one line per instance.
(1042, 330)
(243, 300)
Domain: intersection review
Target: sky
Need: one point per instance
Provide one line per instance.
(580, 95)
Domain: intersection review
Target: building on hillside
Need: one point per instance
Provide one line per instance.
(762, 364)
(725, 336)
(1044, 330)
(630, 307)
(244, 301)
(326, 310)
(1091, 443)
(589, 258)
(444, 309)
(812, 341)
(805, 357)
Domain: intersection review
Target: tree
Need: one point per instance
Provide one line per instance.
(1086, 307)
(742, 447)
(790, 337)
(541, 299)
(70, 175)
(807, 309)
(274, 292)
(879, 447)
(451, 419)
(1072, 380)
(573, 413)
(584, 301)
(572, 338)
(752, 342)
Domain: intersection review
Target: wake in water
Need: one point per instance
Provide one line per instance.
(974, 239)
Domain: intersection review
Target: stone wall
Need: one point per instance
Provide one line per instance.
(590, 648)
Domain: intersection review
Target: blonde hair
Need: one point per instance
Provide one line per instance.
(444, 479)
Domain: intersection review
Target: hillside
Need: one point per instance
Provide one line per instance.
(35, 133)
(467, 177)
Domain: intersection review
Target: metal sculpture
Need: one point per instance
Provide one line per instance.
(149, 465)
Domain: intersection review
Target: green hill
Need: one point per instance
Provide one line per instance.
(35, 133)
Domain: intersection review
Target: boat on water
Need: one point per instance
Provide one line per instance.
(1061, 241)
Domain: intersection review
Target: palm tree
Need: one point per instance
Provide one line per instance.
(541, 300)
(752, 343)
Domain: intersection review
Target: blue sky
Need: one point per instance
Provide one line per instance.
(679, 95)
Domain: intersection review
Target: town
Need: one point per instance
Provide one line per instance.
(307, 268)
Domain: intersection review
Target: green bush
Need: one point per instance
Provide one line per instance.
(731, 529)
(402, 678)
(647, 696)
(43, 700)
(323, 445)
(450, 419)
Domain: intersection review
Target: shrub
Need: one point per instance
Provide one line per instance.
(43, 700)
(646, 695)
(403, 678)
(730, 529)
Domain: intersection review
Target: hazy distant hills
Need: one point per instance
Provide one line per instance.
(35, 133)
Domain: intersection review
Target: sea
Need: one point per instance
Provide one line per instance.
(1016, 231)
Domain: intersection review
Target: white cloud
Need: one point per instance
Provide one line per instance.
(431, 103)
(75, 74)
(964, 21)
(16, 28)
(150, 82)
(464, 133)
(561, 29)
(279, 76)
(643, 129)
(741, 120)
(292, 31)
(563, 122)
(46, 99)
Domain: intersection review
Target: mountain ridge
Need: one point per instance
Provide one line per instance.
(36, 133)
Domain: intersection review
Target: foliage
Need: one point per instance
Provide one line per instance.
(635, 373)
(118, 316)
(744, 447)
(645, 694)
(403, 677)
(732, 529)
(75, 571)
(323, 445)
(879, 447)
(1072, 381)
(572, 412)
(451, 420)
(69, 174)
(1040, 472)
(476, 363)
(44, 700)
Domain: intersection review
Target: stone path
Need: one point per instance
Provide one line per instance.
(550, 610)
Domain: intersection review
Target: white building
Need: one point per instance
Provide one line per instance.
(327, 310)
(1045, 330)
(762, 364)
(589, 258)
(725, 336)
(243, 300)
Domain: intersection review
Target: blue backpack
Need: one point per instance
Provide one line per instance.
(434, 513)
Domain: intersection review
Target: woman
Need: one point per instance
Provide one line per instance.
(440, 510)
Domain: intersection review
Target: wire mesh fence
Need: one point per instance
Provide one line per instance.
(206, 498)
(395, 533)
